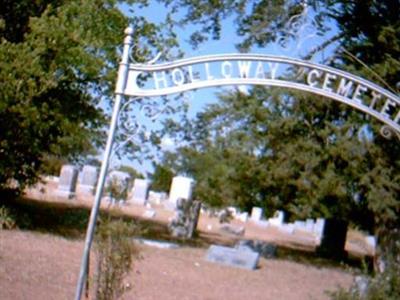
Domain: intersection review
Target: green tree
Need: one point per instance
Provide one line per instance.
(131, 171)
(302, 153)
(58, 62)
(161, 177)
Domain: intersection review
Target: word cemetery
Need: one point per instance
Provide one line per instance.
(146, 80)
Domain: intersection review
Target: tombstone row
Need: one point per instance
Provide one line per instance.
(72, 182)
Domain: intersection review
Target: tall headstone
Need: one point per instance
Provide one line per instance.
(67, 181)
(88, 180)
(256, 214)
(156, 197)
(181, 187)
(140, 191)
(319, 229)
(184, 224)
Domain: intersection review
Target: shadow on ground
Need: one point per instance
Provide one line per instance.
(70, 221)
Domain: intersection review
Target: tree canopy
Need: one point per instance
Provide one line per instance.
(58, 63)
(284, 150)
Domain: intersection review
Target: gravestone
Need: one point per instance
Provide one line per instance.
(117, 186)
(256, 214)
(265, 249)
(299, 225)
(333, 239)
(287, 228)
(88, 180)
(184, 223)
(67, 181)
(181, 188)
(157, 244)
(278, 218)
(240, 258)
(310, 225)
(156, 197)
(243, 217)
(140, 191)
(319, 229)
(370, 240)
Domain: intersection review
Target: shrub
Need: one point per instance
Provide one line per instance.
(7, 220)
(383, 286)
(115, 252)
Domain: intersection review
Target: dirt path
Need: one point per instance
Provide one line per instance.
(39, 266)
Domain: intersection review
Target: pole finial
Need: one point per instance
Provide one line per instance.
(128, 35)
(128, 31)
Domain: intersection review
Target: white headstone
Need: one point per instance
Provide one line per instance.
(370, 240)
(310, 225)
(67, 181)
(319, 227)
(88, 180)
(140, 191)
(156, 197)
(299, 225)
(181, 187)
(278, 218)
(256, 214)
(287, 228)
(244, 216)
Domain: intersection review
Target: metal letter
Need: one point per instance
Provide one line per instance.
(328, 81)
(274, 68)
(311, 77)
(244, 68)
(191, 74)
(397, 118)
(209, 76)
(260, 71)
(177, 77)
(357, 93)
(162, 79)
(375, 97)
(386, 108)
(344, 88)
(226, 69)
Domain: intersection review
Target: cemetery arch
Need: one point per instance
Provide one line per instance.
(237, 69)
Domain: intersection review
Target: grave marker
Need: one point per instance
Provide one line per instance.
(256, 214)
(181, 187)
(140, 191)
(240, 258)
(67, 181)
(88, 180)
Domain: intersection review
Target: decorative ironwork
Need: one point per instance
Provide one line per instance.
(388, 133)
(321, 80)
(296, 33)
(259, 69)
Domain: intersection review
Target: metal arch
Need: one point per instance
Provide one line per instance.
(254, 57)
(293, 85)
(126, 68)
(136, 69)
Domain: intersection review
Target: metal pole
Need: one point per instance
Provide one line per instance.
(120, 87)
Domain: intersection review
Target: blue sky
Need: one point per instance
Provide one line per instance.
(226, 44)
